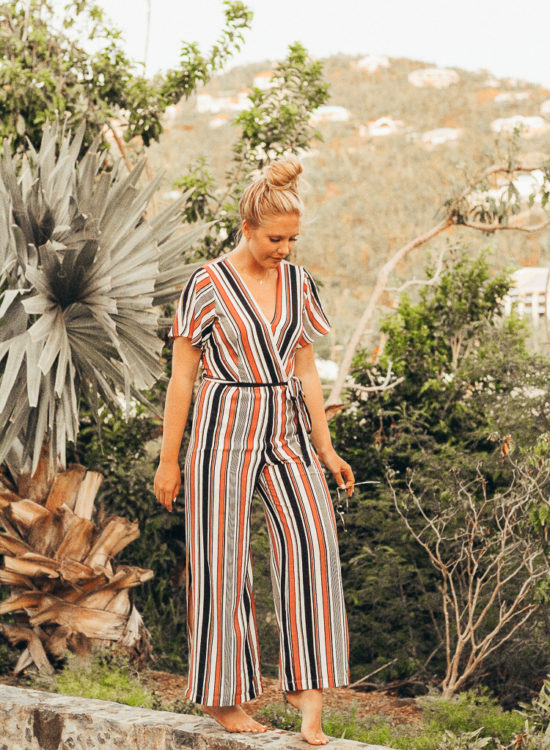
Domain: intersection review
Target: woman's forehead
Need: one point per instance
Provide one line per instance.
(281, 223)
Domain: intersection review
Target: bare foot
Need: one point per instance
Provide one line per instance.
(310, 703)
(234, 718)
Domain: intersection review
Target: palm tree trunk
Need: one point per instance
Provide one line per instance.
(66, 592)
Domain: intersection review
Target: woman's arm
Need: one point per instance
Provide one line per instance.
(185, 362)
(306, 370)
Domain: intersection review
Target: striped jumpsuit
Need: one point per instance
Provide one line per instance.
(246, 438)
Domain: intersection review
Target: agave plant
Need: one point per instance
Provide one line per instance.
(83, 277)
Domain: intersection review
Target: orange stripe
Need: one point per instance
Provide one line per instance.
(242, 329)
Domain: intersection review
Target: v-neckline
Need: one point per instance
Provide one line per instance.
(253, 299)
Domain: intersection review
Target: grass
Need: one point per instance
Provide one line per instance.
(470, 711)
(467, 713)
(445, 722)
(103, 677)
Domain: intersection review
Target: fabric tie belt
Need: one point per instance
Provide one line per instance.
(296, 394)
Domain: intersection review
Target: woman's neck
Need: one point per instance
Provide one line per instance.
(244, 261)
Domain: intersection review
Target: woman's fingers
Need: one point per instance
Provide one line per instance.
(167, 483)
(349, 479)
(341, 471)
(166, 497)
(339, 479)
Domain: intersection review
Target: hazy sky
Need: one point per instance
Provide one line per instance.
(508, 37)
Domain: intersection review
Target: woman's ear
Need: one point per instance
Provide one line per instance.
(245, 228)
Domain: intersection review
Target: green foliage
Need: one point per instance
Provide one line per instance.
(277, 122)
(281, 715)
(466, 374)
(465, 741)
(82, 275)
(470, 721)
(104, 676)
(468, 712)
(537, 712)
(8, 655)
(46, 70)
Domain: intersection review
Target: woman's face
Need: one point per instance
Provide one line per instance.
(272, 241)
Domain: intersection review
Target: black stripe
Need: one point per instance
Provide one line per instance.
(294, 312)
(200, 669)
(306, 582)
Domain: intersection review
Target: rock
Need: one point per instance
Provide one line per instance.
(36, 720)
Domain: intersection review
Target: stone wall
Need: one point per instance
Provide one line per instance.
(35, 720)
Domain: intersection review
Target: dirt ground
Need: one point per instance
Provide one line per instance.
(398, 710)
(171, 687)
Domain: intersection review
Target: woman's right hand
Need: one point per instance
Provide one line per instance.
(167, 483)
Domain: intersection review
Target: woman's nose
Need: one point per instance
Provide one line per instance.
(285, 248)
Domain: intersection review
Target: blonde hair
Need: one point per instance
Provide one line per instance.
(275, 191)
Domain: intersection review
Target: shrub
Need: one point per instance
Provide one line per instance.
(468, 712)
(105, 677)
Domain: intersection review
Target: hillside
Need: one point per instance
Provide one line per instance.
(369, 193)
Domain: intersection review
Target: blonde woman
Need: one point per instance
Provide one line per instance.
(250, 317)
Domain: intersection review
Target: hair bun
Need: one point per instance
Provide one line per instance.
(282, 174)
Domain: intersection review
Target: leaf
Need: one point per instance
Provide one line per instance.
(89, 266)
(16, 351)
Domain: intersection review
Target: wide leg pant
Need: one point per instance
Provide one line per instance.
(244, 442)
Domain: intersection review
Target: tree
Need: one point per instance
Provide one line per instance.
(464, 374)
(488, 556)
(47, 72)
(83, 276)
(470, 208)
(277, 122)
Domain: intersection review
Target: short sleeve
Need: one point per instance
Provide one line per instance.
(195, 311)
(314, 321)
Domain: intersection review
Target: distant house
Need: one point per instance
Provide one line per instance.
(263, 80)
(170, 115)
(511, 96)
(371, 63)
(217, 104)
(439, 78)
(530, 294)
(440, 135)
(241, 101)
(208, 103)
(382, 126)
(329, 113)
(526, 184)
(218, 121)
(528, 126)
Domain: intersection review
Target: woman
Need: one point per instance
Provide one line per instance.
(250, 318)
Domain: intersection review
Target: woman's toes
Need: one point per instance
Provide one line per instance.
(315, 737)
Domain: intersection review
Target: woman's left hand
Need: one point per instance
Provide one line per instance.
(340, 470)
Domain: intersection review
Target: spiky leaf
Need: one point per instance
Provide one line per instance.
(82, 273)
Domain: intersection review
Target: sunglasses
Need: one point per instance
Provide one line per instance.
(339, 508)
